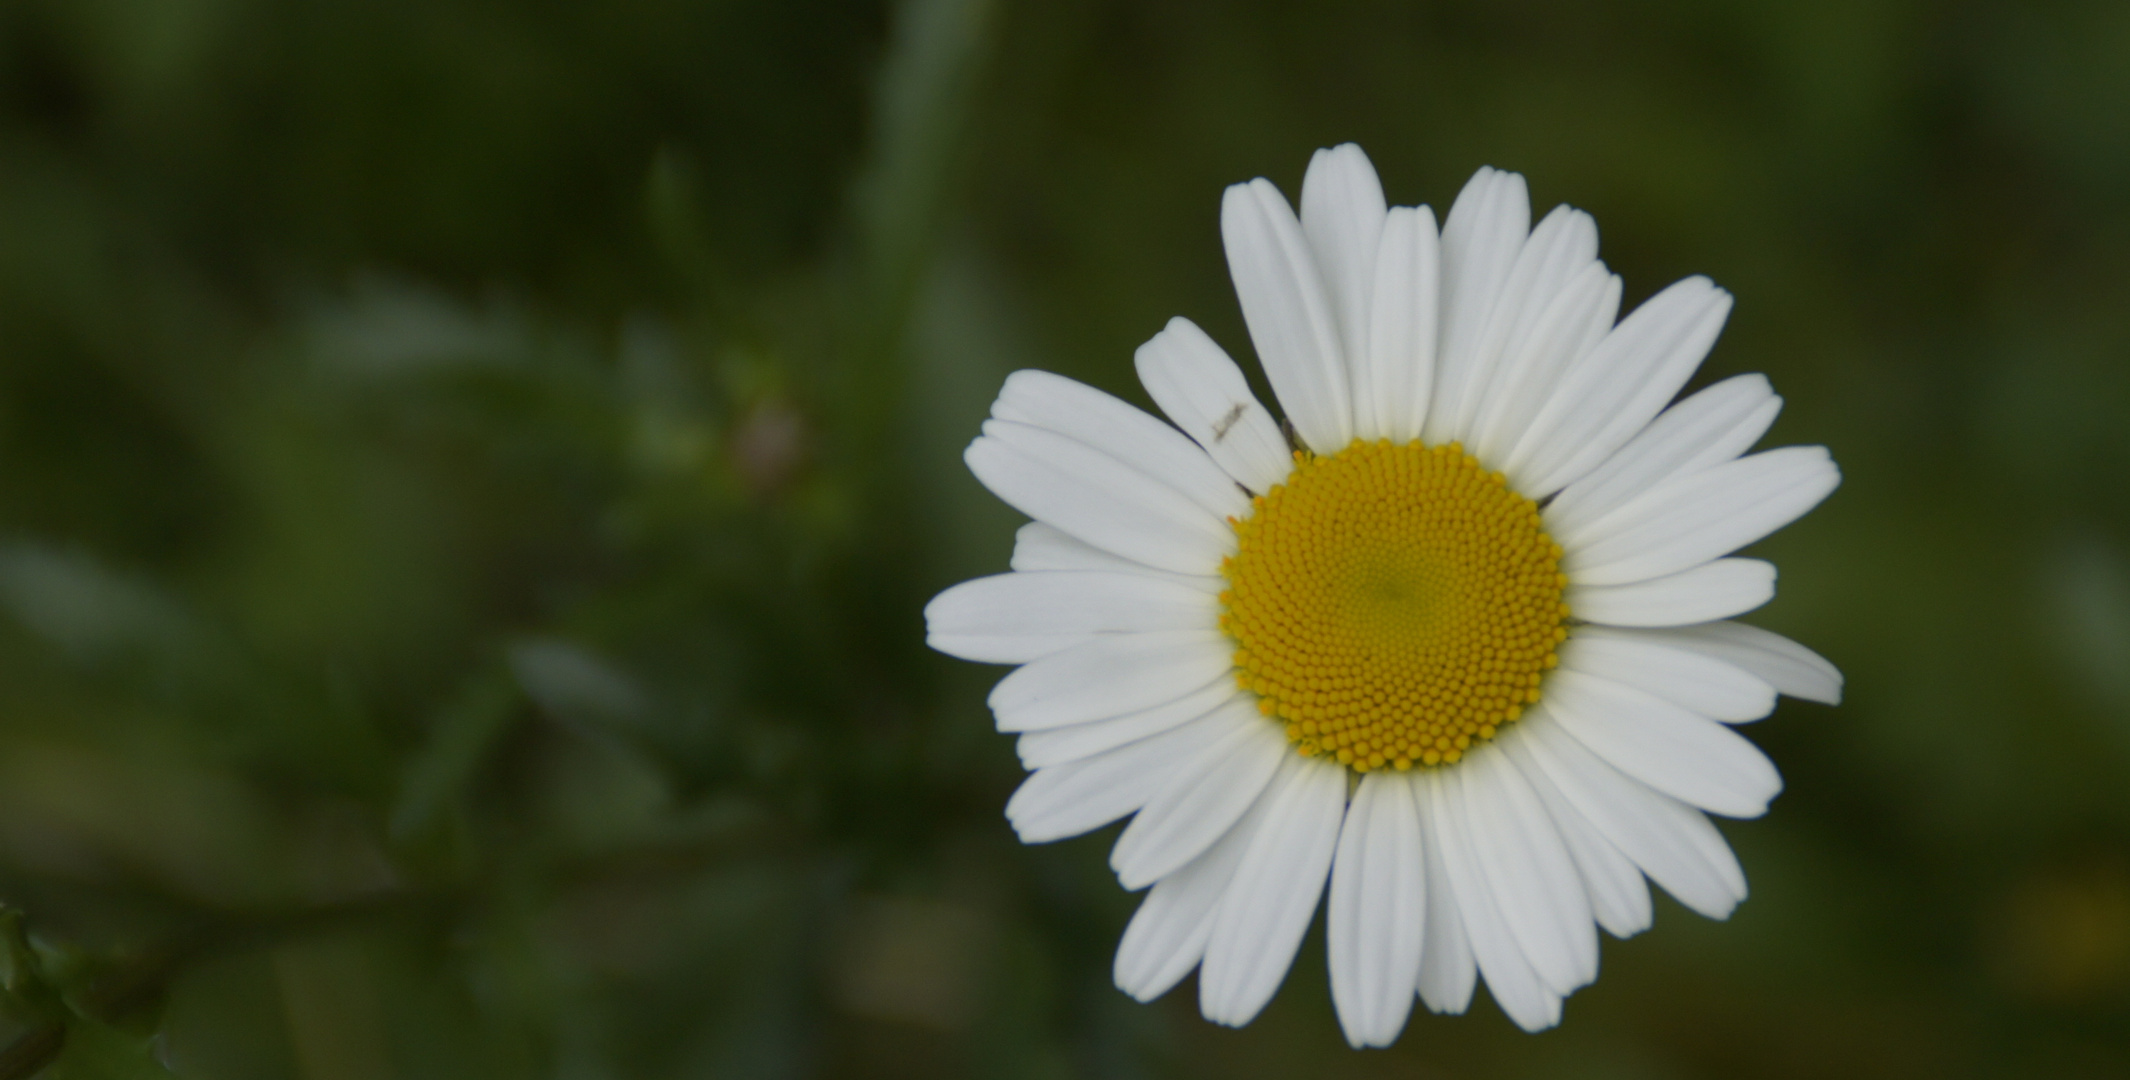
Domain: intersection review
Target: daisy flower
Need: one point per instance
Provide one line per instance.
(1452, 644)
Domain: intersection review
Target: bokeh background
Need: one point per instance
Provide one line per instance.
(470, 472)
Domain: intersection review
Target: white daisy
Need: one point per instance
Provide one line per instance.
(1457, 653)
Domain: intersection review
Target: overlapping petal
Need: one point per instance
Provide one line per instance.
(1402, 327)
(1037, 546)
(1342, 217)
(1686, 677)
(1717, 589)
(1670, 748)
(1167, 935)
(1516, 985)
(1448, 968)
(1290, 316)
(1787, 666)
(1610, 392)
(1377, 911)
(1072, 798)
(1195, 383)
(1018, 617)
(1672, 842)
(1205, 796)
(1688, 520)
(1058, 745)
(1531, 874)
(1107, 676)
(1619, 898)
(1706, 428)
(1557, 262)
(1484, 233)
(1269, 904)
(1097, 499)
(1574, 318)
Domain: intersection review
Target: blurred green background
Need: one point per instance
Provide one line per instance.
(470, 471)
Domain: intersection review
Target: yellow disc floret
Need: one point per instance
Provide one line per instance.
(1393, 604)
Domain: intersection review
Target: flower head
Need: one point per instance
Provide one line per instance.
(1457, 648)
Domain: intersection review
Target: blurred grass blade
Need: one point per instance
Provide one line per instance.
(922, 105)
(464, 733)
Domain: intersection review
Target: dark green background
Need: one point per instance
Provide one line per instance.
(470, 471)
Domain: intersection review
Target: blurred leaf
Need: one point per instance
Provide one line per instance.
(2086, 587)
(923, 102)
(460, 738)
(92, 614)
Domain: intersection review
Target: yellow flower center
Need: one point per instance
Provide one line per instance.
(1393, 603)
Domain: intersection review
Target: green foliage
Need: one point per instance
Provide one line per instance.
(470, 473)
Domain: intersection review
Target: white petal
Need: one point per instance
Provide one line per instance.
(1618, 896)
(1447, 968)
(1342, 217)
(1037, 547)
(1485, 230)
(1671, 841)
(1167, 935)
(1510, 977)
(1707, 428)
(1539, 895)
(1712, 590)
(1097, 499)
(1079, 604)
(1290, 318)
(1787, 666)
(1268, 905)
(1195, 383)
(1402, 325)
(1693, 680)
(1067, 800)
(1558, 252)
(1109, 676)
(1079, 411)
(1680, 753)
(1611, 392)
(1003, 649)
(1536, 355)
(1691, 519)
(1377, 911)
(1202, 800)
(1056, 746)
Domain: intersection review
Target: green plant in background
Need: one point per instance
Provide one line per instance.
(470, 475)
(477, 723)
